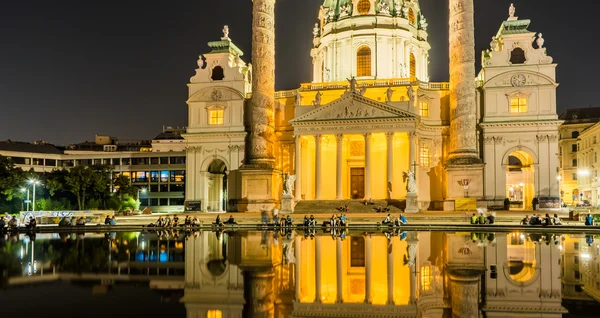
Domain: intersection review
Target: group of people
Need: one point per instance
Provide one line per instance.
(11, 224)
(537, 219)
(482, 218)
(391, 221)
(70, 221)
(336, 221)
(110, 220)
(230, 221)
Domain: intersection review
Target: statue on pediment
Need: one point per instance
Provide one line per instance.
(352, 82)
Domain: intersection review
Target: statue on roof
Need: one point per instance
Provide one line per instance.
(511, 12)
(352, 82)
(225, 33)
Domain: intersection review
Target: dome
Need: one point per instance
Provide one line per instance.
(370, 39)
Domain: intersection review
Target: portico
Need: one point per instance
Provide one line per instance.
(364, 156)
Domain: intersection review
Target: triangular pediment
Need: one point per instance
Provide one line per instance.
(352, 106)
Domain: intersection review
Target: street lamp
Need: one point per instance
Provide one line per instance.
(27, 200)
(141, 190)
(33, 183)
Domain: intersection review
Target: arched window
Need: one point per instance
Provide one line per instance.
(575, 134)
(363, 61)
(517, 56)
(413, 68)
(218, 74)
(411, 16)
(363, 7)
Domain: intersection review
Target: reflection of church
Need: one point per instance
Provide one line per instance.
(425, 274)
(350, 139)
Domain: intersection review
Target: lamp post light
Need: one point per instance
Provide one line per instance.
(26, 200)
(141, 190)
(33, 183)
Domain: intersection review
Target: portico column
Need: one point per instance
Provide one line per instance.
(298, 266)
(390, 163)
(390, 270)
(368, 297)
(318, 167)
(339, 270)
(368, 165)
(340, 143)
(298, 168)
(318, 269)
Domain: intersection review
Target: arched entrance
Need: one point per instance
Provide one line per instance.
(520, 181)
(217, 186)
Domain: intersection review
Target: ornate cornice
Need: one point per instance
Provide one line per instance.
(512, 124)
(353, 310)
(214, 135)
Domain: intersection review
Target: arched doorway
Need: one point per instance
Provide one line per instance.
(217, 186)
(520, 181)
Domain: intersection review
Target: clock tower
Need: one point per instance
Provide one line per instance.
(518, 124)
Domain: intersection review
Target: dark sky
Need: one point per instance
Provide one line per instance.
(72, 69)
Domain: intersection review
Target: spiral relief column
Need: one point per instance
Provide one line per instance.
(261, 127)
(463, 108)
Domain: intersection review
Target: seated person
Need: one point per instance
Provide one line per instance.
(341, 208)
(491, 219)
(387, 220)
(113, 221)
(218, 221)
(556, 220)
(482, 218)
(2, 223)
(282, 222)
(371, 202)
(547, 220)
(387, 209)
(333, 221)
(343, 220)
(31, 223)
(306, 221)
(526, 220)
(231, 220)
(533, 220)
(346, 209)
(311, 221)
(195, 222)
(80, 221)
(106, 220)
(474, 219)
(289, 222)
(378, 209)
(589, 220)
(401, 220)
(167, 222)
(187, 221)
(13, 222)
(175, 221)
(64, 222)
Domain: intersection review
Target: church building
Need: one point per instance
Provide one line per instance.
(370, 124)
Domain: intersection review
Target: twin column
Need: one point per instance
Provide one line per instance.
(340, 165)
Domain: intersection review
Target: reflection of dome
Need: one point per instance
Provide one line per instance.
(216, 267)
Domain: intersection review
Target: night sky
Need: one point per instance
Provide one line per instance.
(73, 69)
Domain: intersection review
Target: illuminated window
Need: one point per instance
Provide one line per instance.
(215, 117)
(411, 16)
(424, 109)
(425, 278)
(425, 156)
(214, 314)
(364, 6)
(363, 61)
(413, 68)
(518, 105)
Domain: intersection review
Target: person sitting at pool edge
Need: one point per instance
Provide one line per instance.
(474, 219)
(589, 220)
(387, 220)
(401, 220)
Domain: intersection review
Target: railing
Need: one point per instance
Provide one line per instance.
(370, 83)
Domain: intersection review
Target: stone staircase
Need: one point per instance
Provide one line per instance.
(354, 206)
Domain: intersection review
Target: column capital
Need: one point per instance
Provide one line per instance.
(390, 135)
(339, 137)
(318, 137)
(412, 134)
(367, 135)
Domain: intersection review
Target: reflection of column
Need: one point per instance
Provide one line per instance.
(411, 150)
(412, 240)
(368, 297)
(390, 163)
(338, 251)
(298, 168)
(298, 266)
(318, 269)
(318, 167)
(367, 166)
(340, 143)
(390, 270)
(259, 293)
(464, 291)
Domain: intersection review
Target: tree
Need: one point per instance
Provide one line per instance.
(11, 179)
(79, 181)
(101, 183)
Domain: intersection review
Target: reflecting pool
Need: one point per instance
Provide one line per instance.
(298, 274)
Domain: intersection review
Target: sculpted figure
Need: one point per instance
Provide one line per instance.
(389, 94)
(298, 99)
(511, 11)
(317, 101)
(412, 182)
(352, 82)
(288, 184)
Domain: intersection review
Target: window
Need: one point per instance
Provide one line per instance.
(177, 175)
(214, 314)
(574, 148)
(176, 188)
(364, 6)
(574, 176)
(517, 56)
(518, 105)
(163, 201)
(215, 117)
(50, 162)
(413, 68)
(574, 162)
(425, 155)
(139, 176)
(140, 161)
(154, 161)
(577, 275)
(163, 188)
(164, 160)
(363, 61)
(411, 16)
(153, 176)
(576, 246)
(424, 109)
(575, 260)
(164, 176)
(177, 160)
(116, 161)
(575, 134)
(176, 201)
(218, 74)
(426, 278)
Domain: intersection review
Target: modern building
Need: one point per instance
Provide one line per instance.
(157, 165)
(371, 118)
(575, 121)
